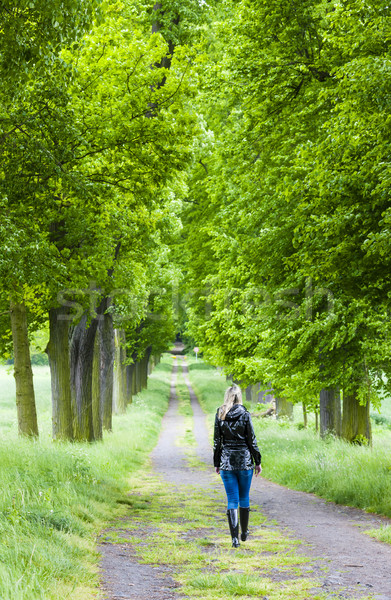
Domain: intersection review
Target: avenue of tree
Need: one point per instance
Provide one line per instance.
(95, 137)
(216, 168)
(287, 229)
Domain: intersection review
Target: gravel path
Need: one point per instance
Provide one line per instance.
(348, 563)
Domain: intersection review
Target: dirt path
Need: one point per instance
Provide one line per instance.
(346, 562)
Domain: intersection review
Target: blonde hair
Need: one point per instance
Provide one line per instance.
(233, 395)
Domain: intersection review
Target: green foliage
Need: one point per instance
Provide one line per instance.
(381, 420)
(287, 227)
(93, 151)
(34, 30)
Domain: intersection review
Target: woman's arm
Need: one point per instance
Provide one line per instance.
(252, 443)
(217, 445)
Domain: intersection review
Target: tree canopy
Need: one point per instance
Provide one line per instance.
(232, 154)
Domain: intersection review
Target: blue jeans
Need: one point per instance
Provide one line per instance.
(237, 487)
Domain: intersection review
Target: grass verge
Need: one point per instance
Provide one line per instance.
(383, 533)
(55, 498)
(352, 475)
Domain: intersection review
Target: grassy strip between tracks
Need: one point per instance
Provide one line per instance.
(347, 474)
(184, 409)
(55, 498)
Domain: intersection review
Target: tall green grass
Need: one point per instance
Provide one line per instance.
(8, 419)
(353, 475)
(55, 498)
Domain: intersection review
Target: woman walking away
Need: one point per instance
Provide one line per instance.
(235, 456)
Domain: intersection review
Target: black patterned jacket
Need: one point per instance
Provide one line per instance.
(235, 445)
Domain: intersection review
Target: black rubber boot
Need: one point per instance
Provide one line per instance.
(233, 522)
(244, 514)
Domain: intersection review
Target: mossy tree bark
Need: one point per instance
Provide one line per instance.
(249, 393)
(356, 423)
(58, 353)
(96, 389)
(284, 408)
(133, 381)
(107, 351)
(137, 379)
(330, 412)
(144, 372)
(129, 382)
(305, 415)
(145, 368)
(260, 394)
(124, 391)
(119, 393)
(25, 397)
(81, 358)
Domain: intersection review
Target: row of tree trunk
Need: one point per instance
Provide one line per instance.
(89, 372)
(91, 376)
(351, 421)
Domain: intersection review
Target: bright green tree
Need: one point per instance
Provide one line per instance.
(286, 221)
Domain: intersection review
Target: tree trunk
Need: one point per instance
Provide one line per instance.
(96, 389)
(130, 374)
(58, 353)
(264, 396)
(144, 373)
(356, 423)
(144, 368)
(252, 392)
(81, 357)
(305, 416)
(107, 351)
(119, 395)
(134, 377)
(124, 388)
(284, 408)
(25, 397)
(330, 412)
(249, 393)
(137, 369)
